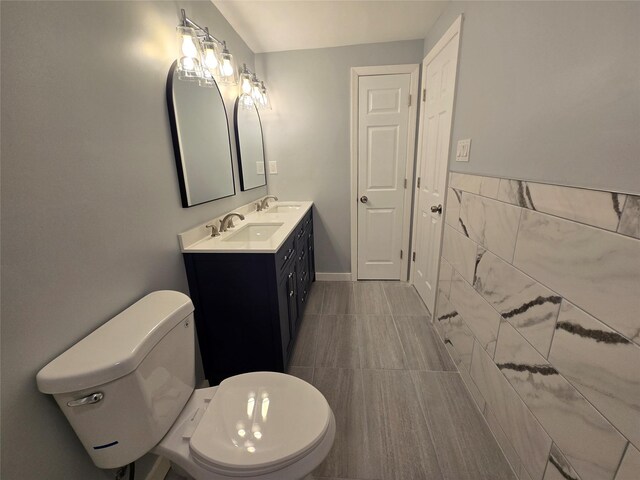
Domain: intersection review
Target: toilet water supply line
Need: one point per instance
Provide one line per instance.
(122, 470)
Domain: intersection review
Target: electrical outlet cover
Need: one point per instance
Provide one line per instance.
(273, 167)
(260, 168)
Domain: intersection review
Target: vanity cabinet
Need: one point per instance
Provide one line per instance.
(248, 305)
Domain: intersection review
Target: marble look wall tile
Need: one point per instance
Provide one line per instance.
(527, 437)
(592, 445)
(458, 335)
(490, 223)
(598, 271)
(602, 364)
(452, 208)
(444, 277)
(508, 451)
(485, 186)
(442, 315)
(630, 220)
(522, 301)
(473, 389)
(593, 207)
(479, 316)
(630, 466)
(558, 467)
(460, 252)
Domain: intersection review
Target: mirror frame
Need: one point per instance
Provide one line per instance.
(237, 132)
(176, 140)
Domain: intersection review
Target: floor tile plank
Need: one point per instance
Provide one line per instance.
(464, 444)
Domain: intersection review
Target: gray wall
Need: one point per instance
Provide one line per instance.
(90, 199)
(549, 91)
(307, 133)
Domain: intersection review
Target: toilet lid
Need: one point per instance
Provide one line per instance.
(259, 422)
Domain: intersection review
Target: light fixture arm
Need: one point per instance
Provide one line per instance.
(187, 22)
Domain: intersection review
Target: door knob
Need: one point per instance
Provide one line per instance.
(364, 199)
(437, 209)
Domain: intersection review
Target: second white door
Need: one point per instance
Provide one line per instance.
(383, 137)
(438, 81)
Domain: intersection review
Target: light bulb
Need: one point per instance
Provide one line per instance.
(246, 85)
(227, 68)
(188, 47)
(210, 59)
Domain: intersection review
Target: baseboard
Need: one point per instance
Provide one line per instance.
(159, 470)
(333, 277)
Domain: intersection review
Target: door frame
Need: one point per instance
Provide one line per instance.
(454, 29)
(356, 72)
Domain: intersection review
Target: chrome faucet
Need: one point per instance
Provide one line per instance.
(264, 203)
(227, 222)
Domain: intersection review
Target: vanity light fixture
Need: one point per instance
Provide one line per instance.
(202, 57)
(252, 90)
(266, 102)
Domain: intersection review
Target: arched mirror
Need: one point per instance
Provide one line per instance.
(200, 140)
(250, 146)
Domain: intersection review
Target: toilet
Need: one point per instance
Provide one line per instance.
(128, 389)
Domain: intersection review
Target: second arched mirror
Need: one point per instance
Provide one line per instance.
(250, 146)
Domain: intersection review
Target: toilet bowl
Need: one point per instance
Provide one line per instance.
(281, 452)
(128, 389)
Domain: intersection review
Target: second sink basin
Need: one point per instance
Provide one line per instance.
(283, 208)
(254, 232)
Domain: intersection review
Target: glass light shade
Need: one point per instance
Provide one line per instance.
(245, 101)
(228, 72)
(189, 54)
(245, 81)
(210, 56)
(256, 90)
(266, 102)
(207, 79)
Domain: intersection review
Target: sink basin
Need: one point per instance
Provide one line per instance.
(254, 232)
(283, 208)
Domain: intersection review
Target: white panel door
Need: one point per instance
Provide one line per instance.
(439, 79)
(383, 120)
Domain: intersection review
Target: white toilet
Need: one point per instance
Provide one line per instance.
(128, 389)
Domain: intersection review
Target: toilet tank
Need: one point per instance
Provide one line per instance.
(123, 386)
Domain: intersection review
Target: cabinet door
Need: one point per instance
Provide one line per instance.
(292, 298)
(302, 272)
(285, 293)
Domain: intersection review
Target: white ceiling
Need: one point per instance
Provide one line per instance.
(276, 25)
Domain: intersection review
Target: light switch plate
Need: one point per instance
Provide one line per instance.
(273, 167)
(260, 168)
(463, 150)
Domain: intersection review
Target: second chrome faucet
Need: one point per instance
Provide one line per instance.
(227, 222)
(264, 203)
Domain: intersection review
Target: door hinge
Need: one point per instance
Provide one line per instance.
(424, 94)
(400, 254)
(414, 256)
(418, 182)
(405, 183)
(410, 99)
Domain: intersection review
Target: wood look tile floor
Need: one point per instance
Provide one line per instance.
(402, 410)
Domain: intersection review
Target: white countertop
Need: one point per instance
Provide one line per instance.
(197, 240)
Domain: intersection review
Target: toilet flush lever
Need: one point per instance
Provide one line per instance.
(88, 400)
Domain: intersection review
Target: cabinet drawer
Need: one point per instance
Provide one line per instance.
(286, 252)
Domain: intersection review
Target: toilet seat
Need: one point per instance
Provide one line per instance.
(258, 425)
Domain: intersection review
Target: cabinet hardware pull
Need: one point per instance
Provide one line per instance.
(291, 293)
